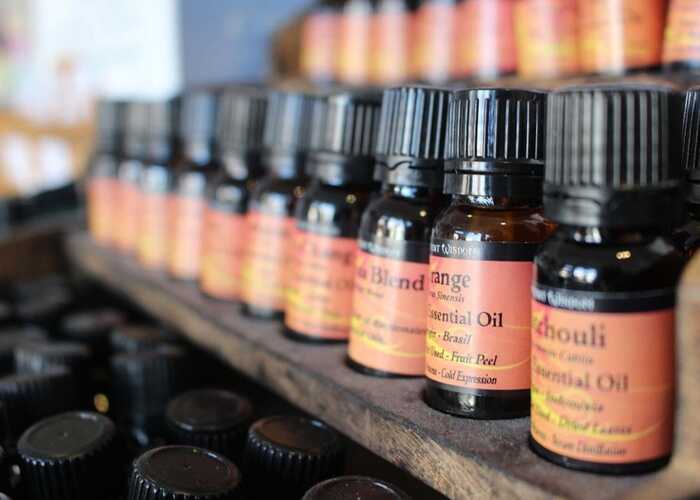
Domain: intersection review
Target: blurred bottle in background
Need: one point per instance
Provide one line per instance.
(434, 40)
(390, 36)
(353, 56)
(319, 41)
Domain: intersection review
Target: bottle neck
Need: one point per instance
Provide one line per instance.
(603, 236)
(498, 202)
(410, 192)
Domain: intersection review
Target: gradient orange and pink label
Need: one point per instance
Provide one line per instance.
(186, 238)
(479, 323)
(155, 230)
(682, 37)
(223, 253)
(263, 279)
(128, 219)
(321, 276)
(389, 314)
(603, 383)
(101, 208)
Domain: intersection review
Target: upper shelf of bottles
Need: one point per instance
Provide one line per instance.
(461, 458)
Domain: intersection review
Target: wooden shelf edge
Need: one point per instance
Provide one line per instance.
(459, 458)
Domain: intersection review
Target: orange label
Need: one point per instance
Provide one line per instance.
(186, 239)
(435, 36)
(389, 54)
(602, 383)
(479, 315)
(485, 36)
(615, 35)
(546, 38)
(321, 277)
(389, 313)
(154, 237)
(223, 253)
(318, 45)
(354, 42)
(263, 280)
(101, 207)
(682, 37)
(128, 217)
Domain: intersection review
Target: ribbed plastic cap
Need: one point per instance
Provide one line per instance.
(213, 419)
(183, 473)
(285, 455)
(92, 328)
(241, 119)
(354, 488)
(613, 157)
(412, 135)
(319, 122)
(109, 115)
(11, 338)
(145, 381)
(31, 397)
(132, 338)
(198, 115)
(136, 121)
(287, 123)
(352, 124)
(71, 456)
(691, 143)
(39, 357)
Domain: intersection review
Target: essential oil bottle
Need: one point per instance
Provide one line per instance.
(270, 221)
(353, 59)
(322, 266)
(482, 247)
(129, 178)
(240, 125)
(391, 274)
(434, 30)
(188, 201)
(157, 183)
(390, 34)
(602, 313)
(101, 186)
(687, 237)
(681, 51)
(319, 36)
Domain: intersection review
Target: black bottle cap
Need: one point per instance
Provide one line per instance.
(495, 146)
(354, 488)
(33, 396)
(612, 158)
(347, 134)
(39, 357)
(92, 328)
(11, 338)
(287, 131)
(183, 473)
(691, 144)
(209, 418)
(43, 304)
(412, 133)
(289, 454)
(109, 126)
(198, 125)
(136, 128)
(144, 382)
(162, 119)
(70, 456)
(131, 338)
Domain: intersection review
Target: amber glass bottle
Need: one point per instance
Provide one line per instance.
(391, 272)
(319, 41)
(681, 38)
(241, 121)
(322, 265)
(353, 59)
(390, 34)
(129, 177)
(687, 237)
(188, 201)
(270, 220)
(434, 29)
(157, 183)
(101, 185)
(603, 369)
(482, 247)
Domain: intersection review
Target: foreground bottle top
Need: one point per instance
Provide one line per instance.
(287, 123)
(352, 123)
(241, 119)
(354, 488)
(691, 143)
(613, 156)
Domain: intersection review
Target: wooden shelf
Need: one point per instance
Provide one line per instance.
(460, 458)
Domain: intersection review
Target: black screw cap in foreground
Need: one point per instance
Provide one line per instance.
(11, 338)
(92, 328)
(286, 455)
(183, 473)
(38, 357)
(353, 488)
(209, 418)
(71, 456)
(131, 338)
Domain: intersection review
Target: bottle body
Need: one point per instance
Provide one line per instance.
(129, 202)
(101, 191)
(478, 341)
(157, 184)
(225, 238)
(603, 349)
(391, 282)
(270, 224)
(321, 267)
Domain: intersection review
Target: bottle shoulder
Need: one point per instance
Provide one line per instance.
(398, 218)
(334, 209)
(653, 263)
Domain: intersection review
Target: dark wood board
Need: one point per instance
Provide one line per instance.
(460, 458)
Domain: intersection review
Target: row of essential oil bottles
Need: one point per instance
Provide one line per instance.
(95, 404)
(387, 42)
(407, 224)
